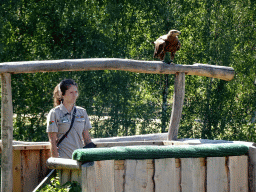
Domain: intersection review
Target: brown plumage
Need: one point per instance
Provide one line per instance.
(167, 43)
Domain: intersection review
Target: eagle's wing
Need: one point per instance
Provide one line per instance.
(159, 47)
(178, 46)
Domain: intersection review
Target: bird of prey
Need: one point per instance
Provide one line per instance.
(167, 43)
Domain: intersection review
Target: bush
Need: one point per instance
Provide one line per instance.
(55, 186)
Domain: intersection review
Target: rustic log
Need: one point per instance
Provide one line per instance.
(178, 99)
(7, 133)
(60, 163)
(156, 67)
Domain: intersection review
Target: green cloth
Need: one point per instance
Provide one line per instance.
(158, 152)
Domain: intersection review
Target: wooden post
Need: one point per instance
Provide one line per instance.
(7, 133)
(252, 168)
(178, 99)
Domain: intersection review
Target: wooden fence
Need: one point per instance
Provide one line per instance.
(157, 67)
(211, 174)
(29, 164)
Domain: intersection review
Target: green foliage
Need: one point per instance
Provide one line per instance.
(55, 186)
(124, 103)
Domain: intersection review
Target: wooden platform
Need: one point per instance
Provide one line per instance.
(211, 174)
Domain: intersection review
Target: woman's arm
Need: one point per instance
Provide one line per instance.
(53, 140)
(87, 137)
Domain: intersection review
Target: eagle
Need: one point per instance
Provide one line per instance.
(167, 43)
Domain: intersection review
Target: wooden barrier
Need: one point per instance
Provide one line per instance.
(211, 174)
(155, 67)
(29, 164)
(187, 174)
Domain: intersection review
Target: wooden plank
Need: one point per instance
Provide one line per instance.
(217, 174)
(88, 178)
(30, 169)
(178, 100)
(130, 172)
(136, 178)
(44, 155)
(128, 143)
(104, 175)
(193, 174)
(141, 179)
(76, 175)
(130, 175)
(191, 141)
(156, 137)
(30, 147)
(119, 175)
(150, 175)
(23, 146)
(6, 132)
(238, 173)
(167, 175)
(17, 171)
(45, 181)
(65, 176)
(137, 66)
(252, 168)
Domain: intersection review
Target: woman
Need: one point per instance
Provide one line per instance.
(59, 122)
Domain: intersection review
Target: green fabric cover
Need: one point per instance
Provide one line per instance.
(158, 152)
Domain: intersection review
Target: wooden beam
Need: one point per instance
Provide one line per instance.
(178, 99)
(127, 143)
(61, 163)
(7, 133)
(147, 137)
(137, 66)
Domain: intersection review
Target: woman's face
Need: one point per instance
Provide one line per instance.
(71, 95)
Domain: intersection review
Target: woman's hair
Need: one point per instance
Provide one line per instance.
(60, 90)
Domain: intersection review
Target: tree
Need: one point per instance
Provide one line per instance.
(123, 103)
